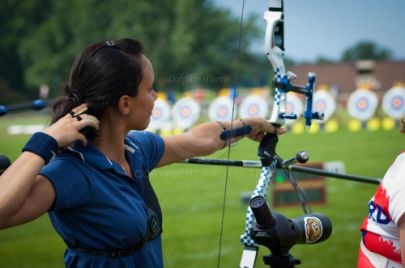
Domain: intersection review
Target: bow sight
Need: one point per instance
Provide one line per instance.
(284, 86)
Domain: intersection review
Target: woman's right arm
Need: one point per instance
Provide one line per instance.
(25, 195)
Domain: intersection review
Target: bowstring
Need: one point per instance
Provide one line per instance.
(235, 82)
(302, 196)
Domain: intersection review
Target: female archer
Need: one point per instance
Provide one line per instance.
(89, 170)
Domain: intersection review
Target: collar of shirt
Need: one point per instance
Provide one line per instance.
(91, 155)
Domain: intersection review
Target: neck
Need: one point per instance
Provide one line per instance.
(111, 140)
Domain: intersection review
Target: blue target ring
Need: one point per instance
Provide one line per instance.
(397, 102)
(253, 110)
(320, 106)
(185, 111)
(222, 111)
(157, 113)
(362, 104)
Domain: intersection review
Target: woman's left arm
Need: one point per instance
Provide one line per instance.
(204, 139)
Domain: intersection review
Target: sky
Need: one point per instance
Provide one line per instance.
(314, 28)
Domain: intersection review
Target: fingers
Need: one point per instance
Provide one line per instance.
(78, 110)
(260, 127)
(87, 120)
(281, 130)
(270, 128)
(82, 138)
(79, 113)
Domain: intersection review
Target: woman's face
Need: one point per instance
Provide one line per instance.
(145, 99)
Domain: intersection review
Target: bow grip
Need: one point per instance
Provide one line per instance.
(267, 149)
(237, 132)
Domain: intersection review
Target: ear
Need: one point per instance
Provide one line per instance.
(124, 105)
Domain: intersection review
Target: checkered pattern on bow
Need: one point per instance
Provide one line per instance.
(261, 190)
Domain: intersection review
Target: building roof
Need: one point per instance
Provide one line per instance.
(346, 76)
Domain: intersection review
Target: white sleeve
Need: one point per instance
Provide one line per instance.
(395, 177)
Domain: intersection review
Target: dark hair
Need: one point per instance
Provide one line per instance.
(100, 75)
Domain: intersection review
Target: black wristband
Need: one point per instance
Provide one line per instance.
(43, 145)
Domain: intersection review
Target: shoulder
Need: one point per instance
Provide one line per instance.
(65, 164)
(397, 168)
(149, 145)
(71, 179)
(145, 141)
(400, 158)
(142, 137)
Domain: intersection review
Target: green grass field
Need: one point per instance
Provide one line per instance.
(191, 197)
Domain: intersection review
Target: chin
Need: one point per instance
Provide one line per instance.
(143, 126)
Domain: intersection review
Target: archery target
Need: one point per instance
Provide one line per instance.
(323, 102)
(393, 103)
(294, 105)
(253, 105)
(185, 112)
(362, 104)
(160, 115)
(221, 109)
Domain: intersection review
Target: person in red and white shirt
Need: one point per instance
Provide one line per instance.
(383, 229)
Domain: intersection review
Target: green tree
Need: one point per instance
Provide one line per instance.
(40, 39)
(366, 50)
(323, 60)
(16, 21)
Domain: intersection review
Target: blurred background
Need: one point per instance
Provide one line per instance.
(356, 48)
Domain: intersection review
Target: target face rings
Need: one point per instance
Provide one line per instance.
(185, 113)
(323, 102)
(393, 102)
(253, 105)
(221, 109)
(362, 104)
(160, 115)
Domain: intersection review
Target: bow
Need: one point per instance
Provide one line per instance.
(274, 48)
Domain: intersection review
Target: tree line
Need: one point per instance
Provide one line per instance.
(190, 43)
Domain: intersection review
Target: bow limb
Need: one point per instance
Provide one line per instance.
(274, 48)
